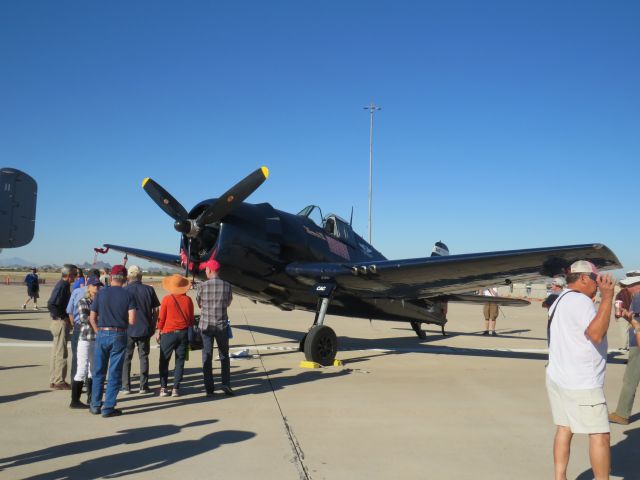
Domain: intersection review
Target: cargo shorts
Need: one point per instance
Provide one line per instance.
(583, 411)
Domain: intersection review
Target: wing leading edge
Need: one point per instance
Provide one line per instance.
(455, 274)
(158, 257)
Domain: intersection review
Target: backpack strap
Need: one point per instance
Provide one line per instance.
(551, 314)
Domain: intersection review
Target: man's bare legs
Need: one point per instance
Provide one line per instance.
(600, 455)
(561, 451)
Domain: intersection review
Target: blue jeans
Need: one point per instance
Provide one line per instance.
(221, 337)
(109, 353)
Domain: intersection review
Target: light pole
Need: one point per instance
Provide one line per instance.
(372, 107)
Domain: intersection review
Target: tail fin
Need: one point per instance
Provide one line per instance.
(440, 249)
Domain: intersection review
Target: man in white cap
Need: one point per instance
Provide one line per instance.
(140, 333)
(557, 285)
(630, 288)
(631, 377)
(576, 369)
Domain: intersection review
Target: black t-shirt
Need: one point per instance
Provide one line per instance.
(59, 299)
(547, 302)
(146, 300)
(112, 305)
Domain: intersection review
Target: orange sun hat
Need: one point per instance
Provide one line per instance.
(176, 284)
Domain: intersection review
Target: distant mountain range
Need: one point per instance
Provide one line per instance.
(15, 262)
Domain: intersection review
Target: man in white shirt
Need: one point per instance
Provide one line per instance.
(577, 363)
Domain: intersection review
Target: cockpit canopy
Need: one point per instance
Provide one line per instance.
(331, 224)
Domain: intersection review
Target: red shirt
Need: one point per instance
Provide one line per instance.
(170, 318)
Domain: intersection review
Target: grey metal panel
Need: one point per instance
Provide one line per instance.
(18, 194)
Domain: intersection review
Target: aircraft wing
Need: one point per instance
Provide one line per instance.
(158, 257)
(454, 274)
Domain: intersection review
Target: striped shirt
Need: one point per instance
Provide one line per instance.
(214, 296)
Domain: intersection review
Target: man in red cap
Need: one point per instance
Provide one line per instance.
(576, 369)
(113, 310)
(214, 296)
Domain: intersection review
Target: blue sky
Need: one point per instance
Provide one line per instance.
(503, 125)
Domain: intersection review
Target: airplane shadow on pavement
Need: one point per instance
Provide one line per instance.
(411, 344)
(131, 461)
(16, 311)
(403, 345)
(20, 396)
(16, 332)
(245, 381)
(18, 366)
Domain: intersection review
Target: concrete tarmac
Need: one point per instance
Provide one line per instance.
(463, 406)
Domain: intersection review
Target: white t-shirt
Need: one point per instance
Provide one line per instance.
(490, 292)
(574, 362)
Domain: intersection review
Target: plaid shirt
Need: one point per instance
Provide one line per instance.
(214, 296)
(84, 310)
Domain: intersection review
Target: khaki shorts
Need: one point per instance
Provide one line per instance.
(490, 311)
(583, 411)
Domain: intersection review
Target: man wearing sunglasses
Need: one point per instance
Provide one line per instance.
(576, 369)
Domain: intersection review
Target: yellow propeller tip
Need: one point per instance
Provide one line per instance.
(144, 182)
(265, 172)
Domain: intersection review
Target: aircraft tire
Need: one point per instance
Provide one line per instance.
(321, 345)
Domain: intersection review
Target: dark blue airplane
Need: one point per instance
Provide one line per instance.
(318, 263)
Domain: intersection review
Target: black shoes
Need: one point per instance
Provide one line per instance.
(113, 413)
(486, 332)
(227, 390)
(494, 334)
(76, 391)
(89, 386)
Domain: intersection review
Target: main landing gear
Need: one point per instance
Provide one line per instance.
(417, 327)
(320, 343)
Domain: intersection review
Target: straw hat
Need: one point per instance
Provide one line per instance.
(176, 284)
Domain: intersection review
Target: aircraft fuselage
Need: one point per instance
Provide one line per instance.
(255, 243)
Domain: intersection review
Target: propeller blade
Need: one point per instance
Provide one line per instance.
(164, 200)
(233, 197)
